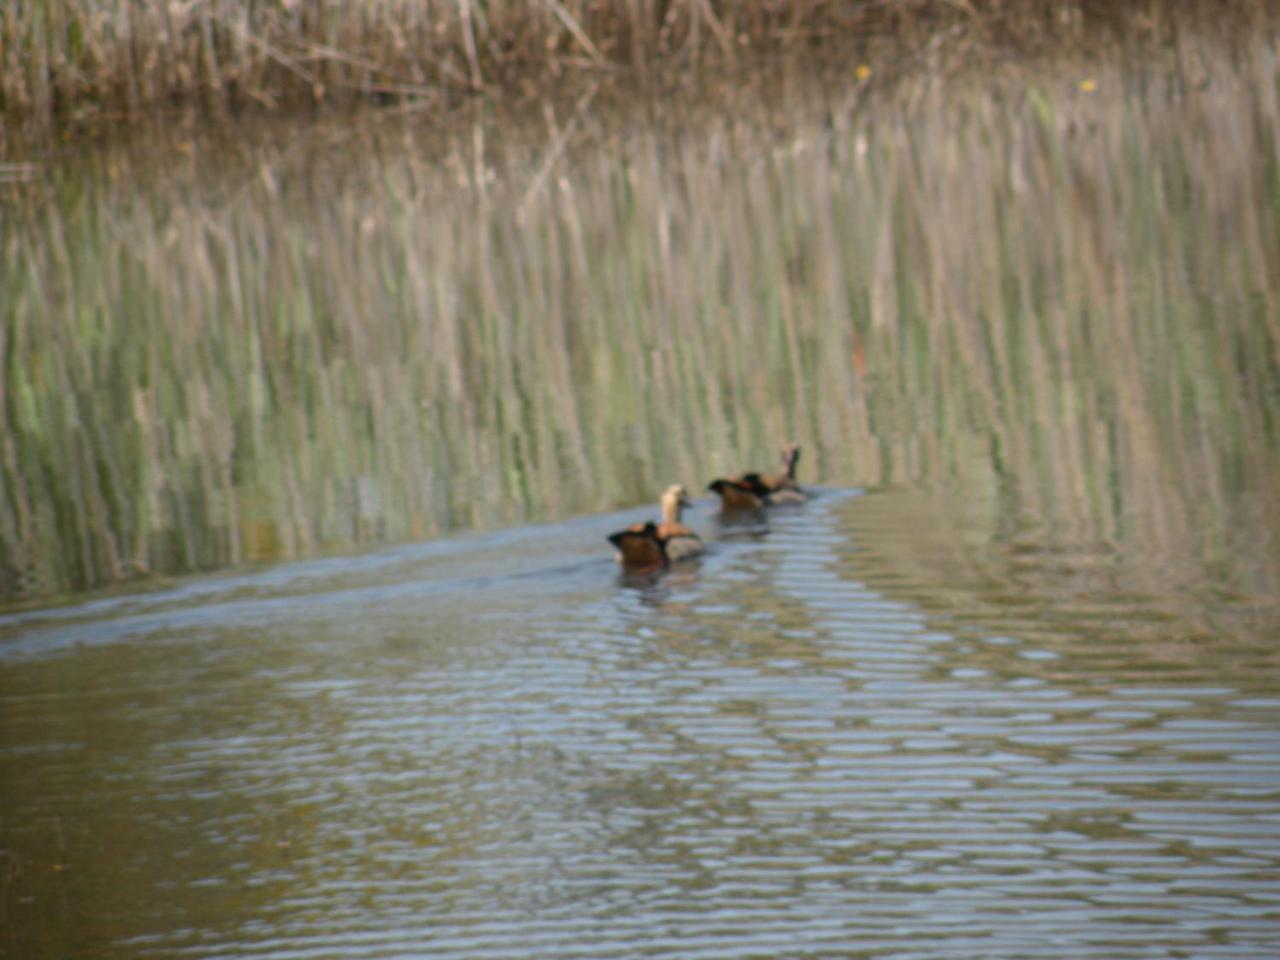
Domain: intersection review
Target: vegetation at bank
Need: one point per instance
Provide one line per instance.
(70, 63)
(1063, 281)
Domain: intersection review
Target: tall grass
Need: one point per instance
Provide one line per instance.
(359, 334)
(89, 61)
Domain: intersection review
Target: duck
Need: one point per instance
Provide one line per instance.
(782, 486)
(679, 541)
(742, 494)
(640, 549)
(649, 545)
(755, 491)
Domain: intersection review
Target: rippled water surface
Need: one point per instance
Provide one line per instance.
(494, 746)
(1020, 699)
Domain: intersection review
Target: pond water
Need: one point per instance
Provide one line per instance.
(311, 435)
(498, 746)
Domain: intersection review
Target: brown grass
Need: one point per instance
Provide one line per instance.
(69, 63)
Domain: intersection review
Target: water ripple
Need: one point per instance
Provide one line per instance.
(759, 756)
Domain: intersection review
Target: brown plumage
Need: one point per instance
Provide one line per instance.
(740, 494)
(678, 540)
(754, 491)
(639, 547)
(787, 478)
(782, 486)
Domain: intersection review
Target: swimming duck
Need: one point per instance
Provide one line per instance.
(746, 493)
(754, 491)
(678, 540)
(640, 548)
(782, 486)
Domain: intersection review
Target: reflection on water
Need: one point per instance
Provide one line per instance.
(497, 747)
(301, 340)
(1020, 700)
(1113, 603)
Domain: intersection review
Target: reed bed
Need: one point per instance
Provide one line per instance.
(88, 62)
(1062, 287)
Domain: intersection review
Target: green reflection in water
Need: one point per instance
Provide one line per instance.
(344, 336)
(1039, 600)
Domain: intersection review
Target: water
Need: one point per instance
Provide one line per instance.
(387, 387)
(497, 746)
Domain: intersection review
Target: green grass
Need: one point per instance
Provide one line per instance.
(343, 334)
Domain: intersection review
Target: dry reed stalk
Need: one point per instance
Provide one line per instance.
(73, 61)
(670, 302)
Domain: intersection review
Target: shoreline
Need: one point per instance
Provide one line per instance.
(82, 71)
